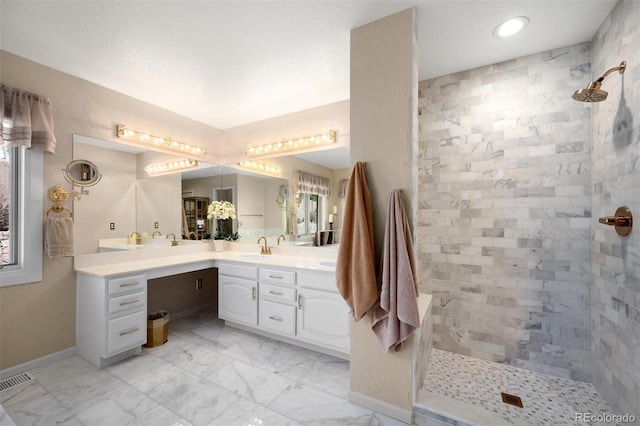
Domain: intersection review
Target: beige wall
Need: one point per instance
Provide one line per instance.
(299, 124)
(383, 112)
(38, 319)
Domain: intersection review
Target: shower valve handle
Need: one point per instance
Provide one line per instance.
(615, 221)
(623, 221)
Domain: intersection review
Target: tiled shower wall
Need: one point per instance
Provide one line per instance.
(504, 211)
(616, 182)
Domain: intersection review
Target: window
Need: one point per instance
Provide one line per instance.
(308, 208)
(20, 216)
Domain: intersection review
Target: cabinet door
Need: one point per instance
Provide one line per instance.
(323, 319)
(238, 300)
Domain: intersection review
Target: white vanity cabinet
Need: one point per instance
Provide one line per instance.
(293, 305)
(276, 310)
(238, 293)
(111, 321)
(323, 316)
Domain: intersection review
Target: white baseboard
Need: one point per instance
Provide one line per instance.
(38, 362)
(381, 407)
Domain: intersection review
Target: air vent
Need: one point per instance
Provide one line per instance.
(511, 399)
(14, 381)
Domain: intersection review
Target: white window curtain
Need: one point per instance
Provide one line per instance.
(342, 188)
(311, 184)
(26, 120)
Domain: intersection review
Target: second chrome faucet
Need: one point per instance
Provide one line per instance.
(264, 249)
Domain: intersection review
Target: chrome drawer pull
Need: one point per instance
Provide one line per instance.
(129, 284)
(133, 330)
(275, 276)
(131, 302)
(277, 293)
(253, 293)
(275, 318)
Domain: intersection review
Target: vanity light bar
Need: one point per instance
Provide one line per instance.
(293, 144)
(171, 166)
(160, 143)
(261, 167)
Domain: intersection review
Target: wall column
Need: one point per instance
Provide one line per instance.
(384, 94)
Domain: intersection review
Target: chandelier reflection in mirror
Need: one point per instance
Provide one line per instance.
(158, 143)
(293, 144)
(171, 166)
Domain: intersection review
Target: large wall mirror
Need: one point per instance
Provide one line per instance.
(128, 200)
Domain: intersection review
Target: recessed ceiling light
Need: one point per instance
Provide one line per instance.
(510, 27)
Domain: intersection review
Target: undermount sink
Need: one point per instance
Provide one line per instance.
(252, 256)
(328, 263)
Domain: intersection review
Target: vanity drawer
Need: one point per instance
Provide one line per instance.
(126, 332)
(277, 317)
(277, 293)
(277, 276)
(126, 302)
(239, 271)
(127, 284)
(326, 282)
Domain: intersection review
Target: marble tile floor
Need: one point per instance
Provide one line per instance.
(206, 374)
(461, 390)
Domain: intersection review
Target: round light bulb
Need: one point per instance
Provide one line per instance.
(510, 27)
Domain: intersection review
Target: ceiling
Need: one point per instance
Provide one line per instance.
(229, 63)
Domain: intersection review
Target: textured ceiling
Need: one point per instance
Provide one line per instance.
(228, 63)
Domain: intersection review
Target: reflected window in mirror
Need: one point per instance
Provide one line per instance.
(308, 208)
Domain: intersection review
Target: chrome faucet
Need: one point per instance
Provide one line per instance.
(281, 236)
(138, 238)
(264, 249)
(174, 242)
(154, 234)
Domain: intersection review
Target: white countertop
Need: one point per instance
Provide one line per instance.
(165, 265)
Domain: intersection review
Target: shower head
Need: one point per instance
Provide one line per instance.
(593, 93)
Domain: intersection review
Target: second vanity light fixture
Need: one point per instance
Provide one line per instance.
(171, 166)
(159, 143)
(293, 144)
(261, 167)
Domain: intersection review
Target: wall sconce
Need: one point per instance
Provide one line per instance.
(171, 166)
(159, 143)
(261, 167)
(295, 144)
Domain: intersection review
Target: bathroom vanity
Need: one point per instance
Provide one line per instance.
(292, 298)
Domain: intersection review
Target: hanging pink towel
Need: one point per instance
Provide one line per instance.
(355, 267)
(397, 315)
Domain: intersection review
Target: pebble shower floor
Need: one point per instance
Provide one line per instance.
(547, 400)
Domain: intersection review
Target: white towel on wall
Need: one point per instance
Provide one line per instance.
(59, 240)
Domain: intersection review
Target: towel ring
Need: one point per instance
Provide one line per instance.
(57, 208)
